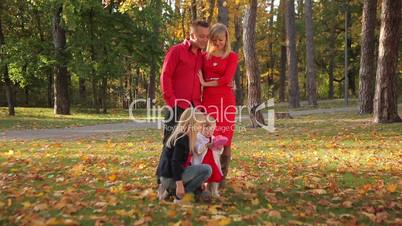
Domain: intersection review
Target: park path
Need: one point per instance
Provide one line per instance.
(105, 129)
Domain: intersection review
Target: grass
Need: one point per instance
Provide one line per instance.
(337, 169)
(37, 118)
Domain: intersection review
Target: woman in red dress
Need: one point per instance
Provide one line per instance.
(218, 69)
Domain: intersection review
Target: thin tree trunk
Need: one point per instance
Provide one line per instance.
(386, 95)
(223, 12)
(61, 80)
(331, 69)
(8, 85)
(152, 84)
(282, 73)
(50, 88)
(293, 88)
(193, 10)
(103, 95)
(211, 10)
(271, 63)
(311, 67)
(236, 48)
(94, 79)
(26, 92)
(250, 56)
(82, 90)
(10, 94)
(367, 57)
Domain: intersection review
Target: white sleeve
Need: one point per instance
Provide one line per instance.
(201, 145)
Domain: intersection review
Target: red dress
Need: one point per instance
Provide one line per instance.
(216, 175)
(220, 101)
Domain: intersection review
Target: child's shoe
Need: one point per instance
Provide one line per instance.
(214, 187)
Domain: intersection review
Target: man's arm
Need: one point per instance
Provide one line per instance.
(168, 68)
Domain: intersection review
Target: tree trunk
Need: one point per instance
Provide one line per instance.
(193, 10)
(10, 94)
(250, 56)
(311, 67)
(211, 10)
(282, 73)
(152, 84)
(292, 55)
(61, 80)
(271, 63)
(8, 85)
(367, 57)
(103, 95)
(223, 12)
(50, 88)
(94, 79)
(26, 92)
(331, 69)
(386, 95)
(236, 48)
(82, 90)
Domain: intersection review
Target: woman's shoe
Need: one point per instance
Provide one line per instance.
(162, 192)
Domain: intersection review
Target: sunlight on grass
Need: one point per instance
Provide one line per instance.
(35, 118)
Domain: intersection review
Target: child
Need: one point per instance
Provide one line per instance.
(172, 170)
(208, 150)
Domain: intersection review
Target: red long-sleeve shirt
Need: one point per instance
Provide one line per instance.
(179, 81)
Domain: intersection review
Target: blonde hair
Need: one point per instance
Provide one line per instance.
(189, 120)
(214, 32)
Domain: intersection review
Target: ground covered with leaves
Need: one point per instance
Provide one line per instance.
(325, 169)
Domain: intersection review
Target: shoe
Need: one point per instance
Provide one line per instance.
(162, 193)
(204, 196)
(214, 187)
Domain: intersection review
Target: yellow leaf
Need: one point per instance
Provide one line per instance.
(171, 213)
(255, 202)
(188, 198)
(26, 204)
(391, 188)
(224, 221)
(112, 177)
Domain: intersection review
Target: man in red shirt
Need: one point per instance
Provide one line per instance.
(181, 87)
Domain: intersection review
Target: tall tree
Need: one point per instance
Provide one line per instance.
(282, 70)
(223, 12)
(367, 57)
(236, 48)
(271, 63)
(62, 78)
(386, 96)
(311, 75)
(250, 56)
(293, 88)
(8, 85)
(193, 10)
(211, 10)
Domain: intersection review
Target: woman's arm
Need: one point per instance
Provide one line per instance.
(227, 78)
(230, 70)
(179, 157)
(204, 83)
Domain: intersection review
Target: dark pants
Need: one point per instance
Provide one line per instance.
(171, 120)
